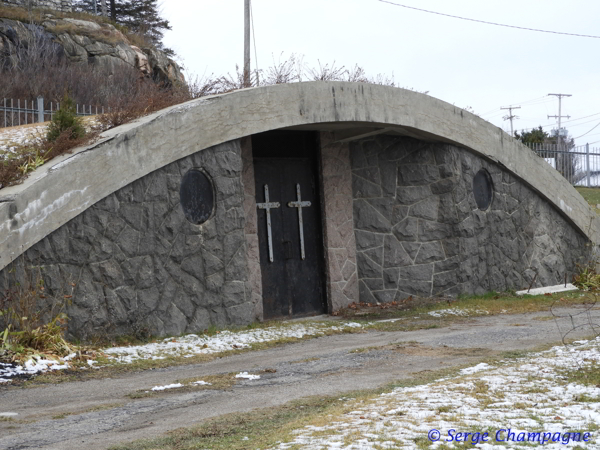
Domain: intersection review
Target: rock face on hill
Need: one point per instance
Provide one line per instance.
(86, 42)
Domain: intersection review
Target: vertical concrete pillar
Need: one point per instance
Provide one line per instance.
(251, 230)
(340, 244)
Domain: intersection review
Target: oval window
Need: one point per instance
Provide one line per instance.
(196, 196)
(483, 189)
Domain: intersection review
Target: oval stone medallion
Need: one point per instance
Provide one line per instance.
(197, 196)
(483, 189)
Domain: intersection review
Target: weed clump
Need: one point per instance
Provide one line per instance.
(588, 279)
(24, 330)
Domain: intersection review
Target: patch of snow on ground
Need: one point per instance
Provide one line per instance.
(527, 395)
(12, 138)
(185, 346)
(32, 367)
(29, 135)
(456, 312)
(193, 344)
(202, 383)
(475, 369)
(247, 376)
(168, 386)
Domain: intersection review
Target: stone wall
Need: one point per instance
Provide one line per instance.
(61, 5)
(133, 264)
(419, 231)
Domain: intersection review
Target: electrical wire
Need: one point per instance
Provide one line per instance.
(566, 121)
(597, 125)
(489, 23)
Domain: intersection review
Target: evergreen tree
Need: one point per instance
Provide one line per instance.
(535, 136)
(140, 16)
(65, 119)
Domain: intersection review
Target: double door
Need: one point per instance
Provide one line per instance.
(290, 238)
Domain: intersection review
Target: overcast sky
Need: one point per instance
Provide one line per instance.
(468, 64)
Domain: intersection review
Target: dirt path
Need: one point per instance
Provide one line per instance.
(98, 413)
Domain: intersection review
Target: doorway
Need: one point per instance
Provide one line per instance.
(289, 223)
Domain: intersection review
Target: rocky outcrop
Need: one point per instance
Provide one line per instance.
(86, 42)
(61, 5)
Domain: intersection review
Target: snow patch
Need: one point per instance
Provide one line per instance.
(247, 376)
(168, 386)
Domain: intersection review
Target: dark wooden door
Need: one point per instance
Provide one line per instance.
(292, 276)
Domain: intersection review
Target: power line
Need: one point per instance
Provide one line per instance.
(489, 23)
(566, 121)
(598, 124)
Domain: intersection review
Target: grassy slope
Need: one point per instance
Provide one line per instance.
(592, 196)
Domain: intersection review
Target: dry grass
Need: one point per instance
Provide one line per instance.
(264, 428)
(414, 312)
(15, 169)
(103, 35)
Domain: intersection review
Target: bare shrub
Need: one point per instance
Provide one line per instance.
(357, 75)
(144, 97)
(327, 72)
(203, 86)
(287, 71)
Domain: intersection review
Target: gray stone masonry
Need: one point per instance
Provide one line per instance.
(419, 231)
(134, 265)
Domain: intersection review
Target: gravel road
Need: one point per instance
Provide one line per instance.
(59, 417)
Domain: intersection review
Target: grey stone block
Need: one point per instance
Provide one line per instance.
(375, 254)
(407, 230)
(425, 209)
(409, 195)
(421, 272)
(234, 293)
(390, 279)
(417, 288)
(200, 321)
(394, 253)
(443, 186)
(364, 293)
(374, 284)
(366, 239)
(368, 218)
(385, 296)
(430, 252)
(434, 231)
(411, 248)
(241, 314)
(417, 174)
(367, 268)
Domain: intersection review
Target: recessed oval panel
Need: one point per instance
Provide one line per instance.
(196, 196)
(483, 189)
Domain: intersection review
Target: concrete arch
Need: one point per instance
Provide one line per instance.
(67, 186)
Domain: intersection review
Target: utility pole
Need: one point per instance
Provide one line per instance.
(246, 43)
(511, 117)
(560, 96)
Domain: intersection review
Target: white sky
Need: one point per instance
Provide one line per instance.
(468, 64)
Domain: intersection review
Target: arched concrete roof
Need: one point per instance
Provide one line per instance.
(66, 186)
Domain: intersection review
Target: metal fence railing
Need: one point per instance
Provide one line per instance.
(580, 165)
(13, 114)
